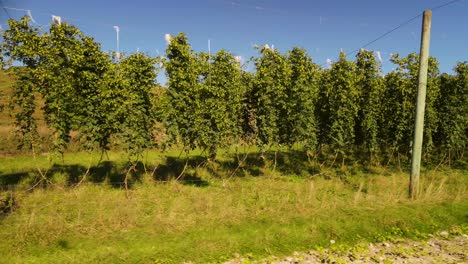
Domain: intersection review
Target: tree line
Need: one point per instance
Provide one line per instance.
(351, 109)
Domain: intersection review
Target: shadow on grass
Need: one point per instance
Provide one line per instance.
(196, 170)
(181, 170)
(193, 169)
(8, 204)
(106, 172)
(12, 179)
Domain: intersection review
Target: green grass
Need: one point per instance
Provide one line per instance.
(259, 213)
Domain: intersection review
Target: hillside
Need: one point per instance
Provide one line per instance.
(5, 92)
(8, 140)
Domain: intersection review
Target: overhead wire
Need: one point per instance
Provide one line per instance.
(29, 13)
(444, 5)
(6, 8)
(386, 33)
(398, 27)
(6, 12)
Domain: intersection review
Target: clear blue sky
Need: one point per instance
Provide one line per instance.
(322, 27)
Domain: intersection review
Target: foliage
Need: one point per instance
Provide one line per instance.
(138, 74)
(300, 122)
(400, 103)
(223, 100)
(272, 80)
(370, 87)
(72, 68)
(340, 94)
(248, 121)
(64, 68)
(90, 70)
(183, 70)
(205, 95)
(82, 89)
(212, 101)
(452, 106)
(20, 43)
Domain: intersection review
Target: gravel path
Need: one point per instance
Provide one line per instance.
(444, 248)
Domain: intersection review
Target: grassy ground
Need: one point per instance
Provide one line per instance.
(206, 216)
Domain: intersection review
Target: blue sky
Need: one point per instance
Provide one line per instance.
(322, 27)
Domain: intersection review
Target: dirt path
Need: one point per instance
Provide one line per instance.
(441, 249)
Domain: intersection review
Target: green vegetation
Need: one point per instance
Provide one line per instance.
(209, 218)
(113, 168)
(101, 101)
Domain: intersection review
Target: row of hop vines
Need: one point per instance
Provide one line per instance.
(352, 109)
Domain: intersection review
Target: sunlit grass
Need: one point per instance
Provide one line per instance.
(271, 213)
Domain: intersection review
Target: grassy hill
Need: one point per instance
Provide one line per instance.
(6, 120)
(8, 140)
(5, 93)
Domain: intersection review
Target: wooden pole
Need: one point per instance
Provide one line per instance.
(420, 105)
